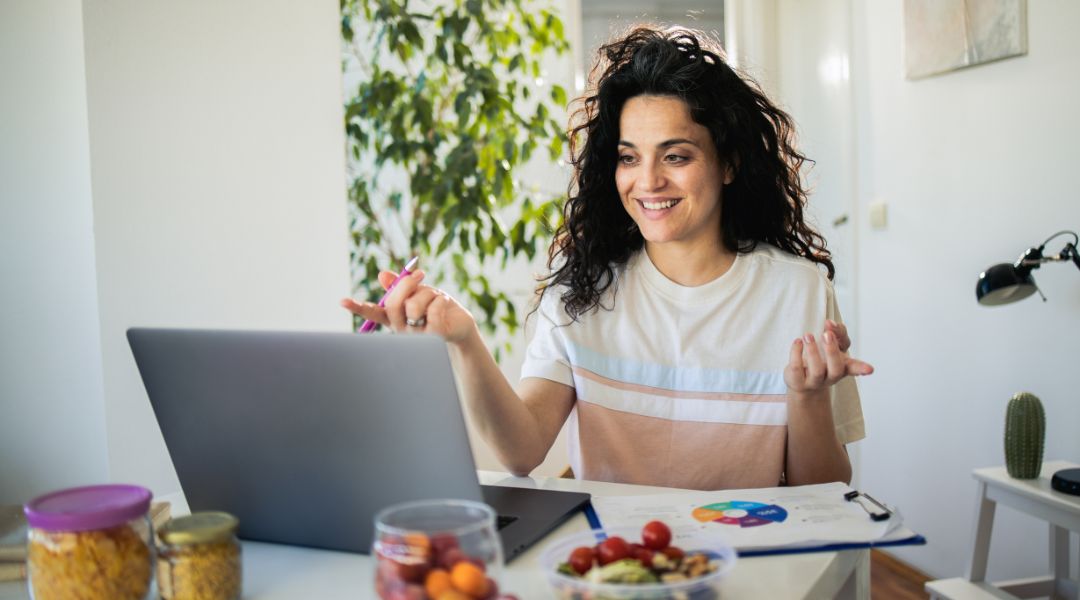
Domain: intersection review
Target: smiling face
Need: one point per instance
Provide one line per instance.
(669, 175)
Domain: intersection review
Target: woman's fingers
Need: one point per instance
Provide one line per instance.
(386, 278)
(395, 300)
(835, 363)
(417, 307)
(795, 374)
(857, 367)
(815, 365)
(369, 311)
(841, 333)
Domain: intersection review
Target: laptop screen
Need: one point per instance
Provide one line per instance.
(305, 436)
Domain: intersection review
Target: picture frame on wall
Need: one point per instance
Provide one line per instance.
(945, 35)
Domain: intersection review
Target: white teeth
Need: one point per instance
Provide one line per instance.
(659, 205)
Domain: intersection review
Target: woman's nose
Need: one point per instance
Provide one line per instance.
(652, 176)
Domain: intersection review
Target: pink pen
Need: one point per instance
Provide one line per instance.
(409, 267)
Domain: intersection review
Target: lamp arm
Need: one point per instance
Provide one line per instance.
(1033, 257)
(1071, 251)
(1035, 262)
(1076, 238)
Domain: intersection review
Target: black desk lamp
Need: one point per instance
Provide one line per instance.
(1005, 283)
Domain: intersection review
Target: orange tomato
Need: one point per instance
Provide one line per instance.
(452, 594)
(418, 544)
(437, 582)
(469, 578)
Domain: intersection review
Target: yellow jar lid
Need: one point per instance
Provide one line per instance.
(198, 528)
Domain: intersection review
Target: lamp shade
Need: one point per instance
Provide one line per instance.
(1004, 283)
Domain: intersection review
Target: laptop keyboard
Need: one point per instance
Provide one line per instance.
(502, 521)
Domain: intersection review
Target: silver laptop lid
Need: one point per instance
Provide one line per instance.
(304, 436)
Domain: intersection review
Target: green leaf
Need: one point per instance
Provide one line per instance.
(412, 34)
(558, 94)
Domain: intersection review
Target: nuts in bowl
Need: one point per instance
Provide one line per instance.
(649, 563)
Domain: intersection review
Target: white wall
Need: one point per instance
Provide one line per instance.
(185, 169)
(52, 415)
(975, 166)
(219, 196)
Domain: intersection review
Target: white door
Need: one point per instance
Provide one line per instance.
(813, 84)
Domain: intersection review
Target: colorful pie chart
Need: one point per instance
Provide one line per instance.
(743, 514)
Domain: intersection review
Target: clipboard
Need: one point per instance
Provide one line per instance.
(904, 537)
(769, 521)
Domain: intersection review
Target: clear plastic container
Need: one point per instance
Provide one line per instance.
(705, 587)
(200, 558)
(91, 543)
(437, 548)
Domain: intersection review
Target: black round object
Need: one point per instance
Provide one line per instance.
(1004, 283)
(1067, 481)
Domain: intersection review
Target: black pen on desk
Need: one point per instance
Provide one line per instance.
(409, 268)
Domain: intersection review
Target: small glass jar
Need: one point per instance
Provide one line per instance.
(199, 558)
(432, 549)
(92, 543)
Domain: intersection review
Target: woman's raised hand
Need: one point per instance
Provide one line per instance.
(813, 366)
(416, 308)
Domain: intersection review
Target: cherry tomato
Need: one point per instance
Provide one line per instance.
(655, 535)
(612, 549)
(643, 554)
(581, 559)
(674, 552)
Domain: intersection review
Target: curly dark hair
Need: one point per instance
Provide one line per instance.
(764, 202)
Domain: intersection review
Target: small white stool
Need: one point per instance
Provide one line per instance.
(1036, 498)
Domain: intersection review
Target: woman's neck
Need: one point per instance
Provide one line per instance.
(690, 265)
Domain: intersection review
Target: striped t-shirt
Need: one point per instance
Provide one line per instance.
(683, 386)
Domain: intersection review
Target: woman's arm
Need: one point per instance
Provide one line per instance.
(814, 453)
(519, 426)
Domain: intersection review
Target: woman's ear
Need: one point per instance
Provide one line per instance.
(731, 167)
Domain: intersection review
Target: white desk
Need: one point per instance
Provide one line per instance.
(1032, 496)
(276, 572)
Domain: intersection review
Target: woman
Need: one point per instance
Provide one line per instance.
(682, 272)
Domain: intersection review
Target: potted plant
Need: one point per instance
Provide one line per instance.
(449, 103)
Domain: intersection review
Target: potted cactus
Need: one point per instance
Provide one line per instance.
(1025, 432)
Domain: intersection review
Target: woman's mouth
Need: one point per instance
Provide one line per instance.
(657, 206)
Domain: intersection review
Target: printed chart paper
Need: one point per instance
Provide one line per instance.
(785, 517)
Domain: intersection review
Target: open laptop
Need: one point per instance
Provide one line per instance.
(305, 436)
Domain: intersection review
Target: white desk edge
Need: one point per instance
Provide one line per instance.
(279, 572)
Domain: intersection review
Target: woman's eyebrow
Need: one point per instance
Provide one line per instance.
(664, 144)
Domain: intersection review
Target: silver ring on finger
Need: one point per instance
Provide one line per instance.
(417, 322)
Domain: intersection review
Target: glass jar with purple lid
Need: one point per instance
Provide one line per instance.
(91, 543)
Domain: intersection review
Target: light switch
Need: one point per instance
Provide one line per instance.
(878, 214)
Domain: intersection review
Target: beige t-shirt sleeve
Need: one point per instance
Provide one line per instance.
(846, 406)
(546, 356)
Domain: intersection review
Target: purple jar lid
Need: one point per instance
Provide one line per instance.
(87, 508)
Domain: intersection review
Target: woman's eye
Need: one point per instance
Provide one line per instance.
(675, 158)
(626, 159)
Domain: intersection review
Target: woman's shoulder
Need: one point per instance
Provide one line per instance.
(773, 262)
(550, 297)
